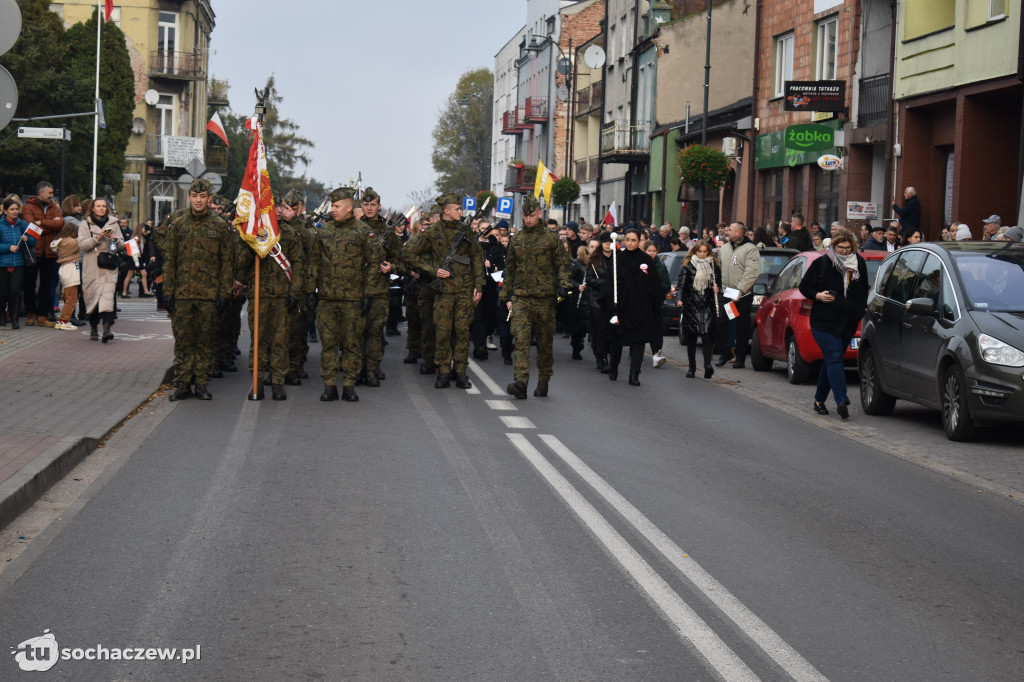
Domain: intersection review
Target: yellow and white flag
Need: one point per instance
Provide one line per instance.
(545, 181)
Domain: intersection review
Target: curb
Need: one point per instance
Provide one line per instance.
(24, 488)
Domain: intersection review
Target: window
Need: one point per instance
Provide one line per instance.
(825, 57)
(922, 17)
(165, 115)
(826, 196)
(773, 196)
(929, 283)
(901, 280)
(996, 9)
(783, 63)
(551, 26)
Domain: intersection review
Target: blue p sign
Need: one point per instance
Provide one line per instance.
(469, 204)
(505, 206)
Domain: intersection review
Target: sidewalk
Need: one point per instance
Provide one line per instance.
(994, 463)
(60, 394)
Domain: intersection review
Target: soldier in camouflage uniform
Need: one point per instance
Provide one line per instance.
(427, 337)
(536, 275)
(298, 344)
(279, 293)
(338, 267)
(378, 283)
(229, 322)
(461, 287)
(412, 284)
(197, 283)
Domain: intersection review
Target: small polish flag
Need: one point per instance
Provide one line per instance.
(108, 9)
(731, 311)
(133, 249)
(611, 217)
(34, 231)
(217, 128)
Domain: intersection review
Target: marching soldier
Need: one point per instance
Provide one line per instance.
(460, 288)
(197, 283)
(279, 290)
(536, 275)
(341, 253)
(413, 284)
(427, 337)
(378, 282)
(293, 210)
(229, 322)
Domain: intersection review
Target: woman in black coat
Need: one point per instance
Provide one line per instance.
(696, 295)
(837, 282)
(639, 305)
(594, 297)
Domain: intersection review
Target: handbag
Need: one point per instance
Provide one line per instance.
(107, 260)
(28, 254)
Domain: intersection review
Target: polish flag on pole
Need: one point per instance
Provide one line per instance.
(255, 218)
(108, 9)
(34, 230)
(217, 128)
(611, 217)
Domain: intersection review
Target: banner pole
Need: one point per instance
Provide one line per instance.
(256, 394)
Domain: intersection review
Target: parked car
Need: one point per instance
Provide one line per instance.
(782, 328)
(944, 328)
(772, 261)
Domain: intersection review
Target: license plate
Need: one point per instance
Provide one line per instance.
(853, 344)
(758, 298)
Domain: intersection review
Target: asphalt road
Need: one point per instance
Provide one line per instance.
(426, 534)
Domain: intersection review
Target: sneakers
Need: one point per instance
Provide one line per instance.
(658, 359)
(65, 325)
(490, 343)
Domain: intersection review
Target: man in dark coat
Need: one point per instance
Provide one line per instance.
(877, 240)
(910, 214)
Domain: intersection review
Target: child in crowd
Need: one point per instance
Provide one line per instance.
(69, 259)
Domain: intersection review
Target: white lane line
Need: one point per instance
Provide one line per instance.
(501, 405)
(494, 388)
(517, 422)
(473, 390)
(753, 627)
(686, 622)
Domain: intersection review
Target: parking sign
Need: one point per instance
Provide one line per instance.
(469, 204)
(504, 209)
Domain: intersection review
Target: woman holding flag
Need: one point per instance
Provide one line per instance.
(12, 264)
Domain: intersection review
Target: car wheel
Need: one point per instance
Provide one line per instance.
(797, 370)
(757, 360)
(956, 415)
(873, 399)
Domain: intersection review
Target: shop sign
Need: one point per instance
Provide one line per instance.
(829, 162)
(809, 137)
(861, 210)
(815, 96)
(770, 148)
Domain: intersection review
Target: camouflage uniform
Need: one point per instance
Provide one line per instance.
(338, 271)
(274, 291)
(198, 251)
(377, 288)
(453, 306)
(535, 268)
(301, 317)
(424, 305)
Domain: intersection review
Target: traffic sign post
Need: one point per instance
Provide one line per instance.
(62, 134)
(468, 204)
(504, 209)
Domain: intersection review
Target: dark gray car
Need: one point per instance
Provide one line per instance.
(944, 328)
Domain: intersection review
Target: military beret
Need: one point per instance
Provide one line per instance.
(530, 204)
(294, 197)
(446, 199)
(219, 200)
(434, 210)
(369, 194)
(342, 193)
(200, 185)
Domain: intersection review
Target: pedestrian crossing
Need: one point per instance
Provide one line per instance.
(142, 310)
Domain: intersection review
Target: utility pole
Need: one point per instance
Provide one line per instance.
(704, 124)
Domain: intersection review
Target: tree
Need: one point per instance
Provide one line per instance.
(37, 62)
(117, 90)
(564, 192)
(424, 198)
(462, 136)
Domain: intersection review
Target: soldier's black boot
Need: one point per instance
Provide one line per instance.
(517, 389)
(634, 378)
(301, 372)
(428, 368)
(380, 375)
(348, 394)
(330, 393)
(370, 379)
(480, 353)
(411, 358)
(217, 373)
(443, 380)
(291, 379)
(542, 389)
(277, 392)
(462, 381)
(228, 365)
(202, 393)
(180, 393)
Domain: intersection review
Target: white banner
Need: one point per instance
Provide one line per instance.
(178, 151)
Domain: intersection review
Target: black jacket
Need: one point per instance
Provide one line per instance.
(640, 297)
(700, 310)
(840, 317)
(910, 215)
(799, 240)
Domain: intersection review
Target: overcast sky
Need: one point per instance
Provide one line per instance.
(363, 80)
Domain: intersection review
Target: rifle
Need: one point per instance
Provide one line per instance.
(393, 221)
(452, 256)
(319, 213)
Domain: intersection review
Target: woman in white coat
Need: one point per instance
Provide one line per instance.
(99, 234)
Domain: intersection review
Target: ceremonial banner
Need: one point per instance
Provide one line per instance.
(255, 219)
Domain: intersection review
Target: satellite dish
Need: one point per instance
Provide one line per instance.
(594, 56)
(564, 66)
(138, 126)
(8, 97)
(151, 97)
(11, 27)
(562, 93)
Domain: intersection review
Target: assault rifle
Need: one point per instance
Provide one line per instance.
(319, 213)
(452, 256)
(393, 221)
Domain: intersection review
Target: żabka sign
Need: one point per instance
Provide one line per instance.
(809, 137)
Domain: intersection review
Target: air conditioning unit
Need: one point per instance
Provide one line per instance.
(730, 146)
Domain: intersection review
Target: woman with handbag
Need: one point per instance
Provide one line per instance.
(697, 296)
(100, 239)
(14, 244)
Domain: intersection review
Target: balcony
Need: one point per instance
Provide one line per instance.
(623, 143)
(520, 178)
(873, 107)
(176, 65)
(154, 147)
(589, 99)
(217, 94)
(586, 170)
(535, 111)
(510, 124)
(216, 158)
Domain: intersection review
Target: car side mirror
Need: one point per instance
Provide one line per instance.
(921, 306)
(760, 289)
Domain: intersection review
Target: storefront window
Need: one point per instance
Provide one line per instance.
(826, 196)
(772, 196)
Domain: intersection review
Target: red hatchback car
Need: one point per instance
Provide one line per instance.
(782, 328)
